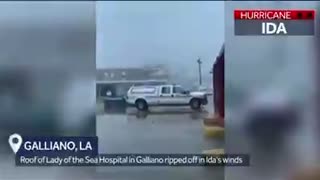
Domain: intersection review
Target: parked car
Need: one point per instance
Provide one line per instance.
(164, 95)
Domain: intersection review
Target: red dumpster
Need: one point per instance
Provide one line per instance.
(218, 85)
(218, 92)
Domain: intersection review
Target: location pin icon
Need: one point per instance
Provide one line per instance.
(15, 141)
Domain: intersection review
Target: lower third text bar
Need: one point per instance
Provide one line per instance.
(136, 160)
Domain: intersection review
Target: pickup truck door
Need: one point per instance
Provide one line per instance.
(166, 96)
(180, 97)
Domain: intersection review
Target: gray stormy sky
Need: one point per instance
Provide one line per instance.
(137, 33)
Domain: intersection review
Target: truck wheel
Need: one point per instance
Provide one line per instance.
(195, 104)
(141, 105)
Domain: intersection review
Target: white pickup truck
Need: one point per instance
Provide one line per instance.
(164, 95)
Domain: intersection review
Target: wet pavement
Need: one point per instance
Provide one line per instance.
(163, 130)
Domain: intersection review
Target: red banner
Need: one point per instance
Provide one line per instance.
(274, 14)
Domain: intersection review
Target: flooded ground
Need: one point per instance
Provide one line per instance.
(163, 130)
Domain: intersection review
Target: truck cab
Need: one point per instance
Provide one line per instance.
(173, 94)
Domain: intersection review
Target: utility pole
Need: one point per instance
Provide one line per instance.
(200, 76)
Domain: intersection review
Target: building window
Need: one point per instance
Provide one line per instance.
(112, 75)
(106, 74)
(123, 73)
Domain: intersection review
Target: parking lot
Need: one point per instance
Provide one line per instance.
(162, 130)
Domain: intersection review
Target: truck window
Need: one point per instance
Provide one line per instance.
(165, 90)
(177, 90)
